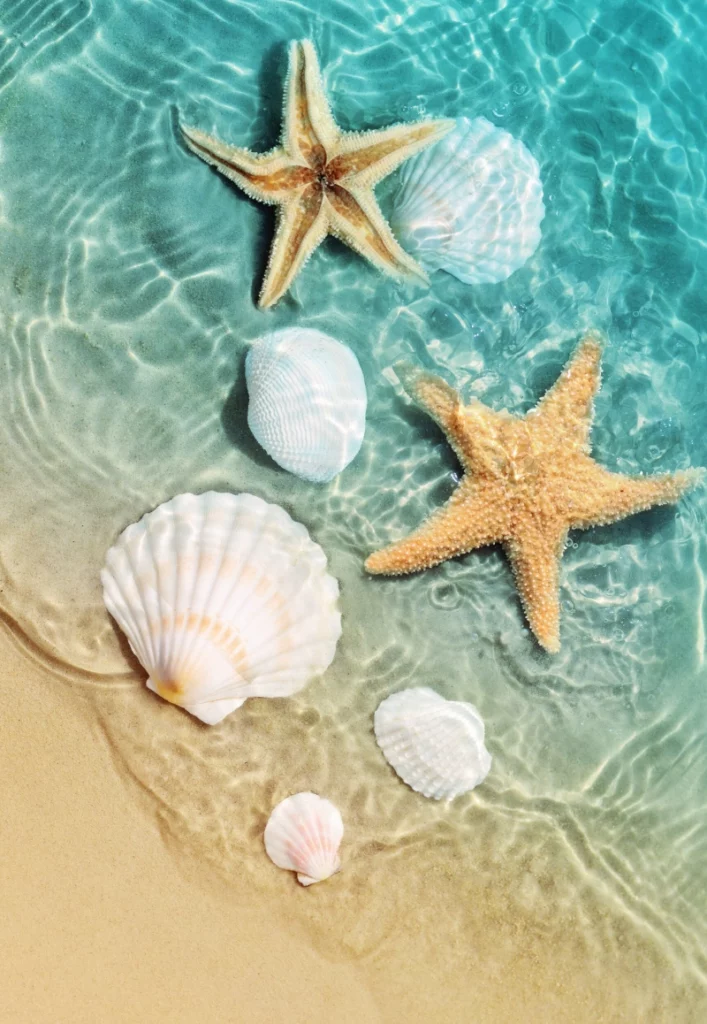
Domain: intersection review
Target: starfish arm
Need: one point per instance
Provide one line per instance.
(535, 554)
(267, 177)
(471, 430)
(441, 402)
(567, 408)
(364, 159)
(431, 393)
(301, 227)
(474, 517)
(309, 130)
(356, 219)
(599, 497)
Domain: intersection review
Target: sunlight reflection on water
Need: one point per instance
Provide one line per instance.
(130, 271)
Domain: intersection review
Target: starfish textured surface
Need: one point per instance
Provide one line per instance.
(320, 178)
(527, 482)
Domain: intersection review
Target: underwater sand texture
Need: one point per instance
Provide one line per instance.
(573, 881)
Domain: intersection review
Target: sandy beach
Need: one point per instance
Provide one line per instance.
(570, 885)
(100, 920)
(107, 918)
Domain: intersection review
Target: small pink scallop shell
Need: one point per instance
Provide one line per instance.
(303, 834)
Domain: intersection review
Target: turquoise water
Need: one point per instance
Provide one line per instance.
(128, 276)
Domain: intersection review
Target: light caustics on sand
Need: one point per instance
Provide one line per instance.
(584, 848)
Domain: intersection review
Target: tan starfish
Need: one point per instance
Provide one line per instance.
(320, 178)
(527, 481)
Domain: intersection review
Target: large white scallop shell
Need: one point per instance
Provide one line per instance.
(222, 597)
(303, 834)
(306, 401)
(435, 745)
(471, 205)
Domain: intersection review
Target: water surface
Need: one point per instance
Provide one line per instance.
(127, 286)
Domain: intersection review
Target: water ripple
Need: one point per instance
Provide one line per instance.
(126, 308)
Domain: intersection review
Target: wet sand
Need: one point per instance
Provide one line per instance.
(107, 918)
(101, 922)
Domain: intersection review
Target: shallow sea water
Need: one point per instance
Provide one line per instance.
(128, 276)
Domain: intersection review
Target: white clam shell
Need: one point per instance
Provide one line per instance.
(471, 204)
(222, 597)
(303, 834)
(435, 745)
(306, 401)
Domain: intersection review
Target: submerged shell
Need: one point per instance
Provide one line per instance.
(303, 834)
(435, 745)
(307, 401)
(222, 597)
(471, 205)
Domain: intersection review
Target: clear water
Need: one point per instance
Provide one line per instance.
(128, 276)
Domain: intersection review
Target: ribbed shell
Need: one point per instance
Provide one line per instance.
(222, 597)
(471, 205)
(435, 745)
(303, 834)
(307, 402)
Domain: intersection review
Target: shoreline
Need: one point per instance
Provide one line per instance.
(100, 922)
(120, 924)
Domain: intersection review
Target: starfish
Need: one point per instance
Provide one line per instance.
(528, 480)
(320, 178)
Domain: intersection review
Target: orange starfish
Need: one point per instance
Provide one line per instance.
(320, 178)
(527, 482)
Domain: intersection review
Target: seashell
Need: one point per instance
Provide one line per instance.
(471, 205)
(222, 597)
(307, 401)
(435, 745)
(303, 834)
